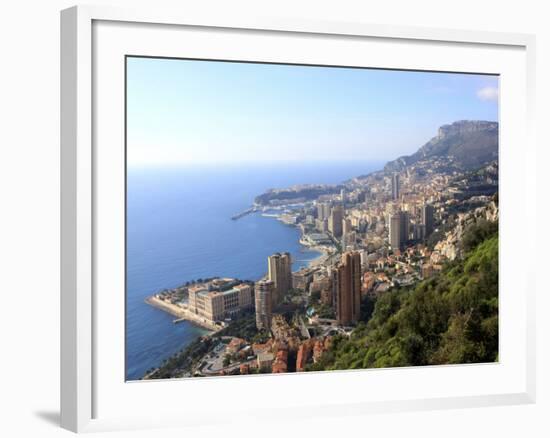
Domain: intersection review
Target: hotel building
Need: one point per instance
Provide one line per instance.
(215, 305)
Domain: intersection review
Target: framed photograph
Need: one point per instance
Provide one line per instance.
(320, 217)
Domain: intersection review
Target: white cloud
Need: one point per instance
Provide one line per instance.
(488, 93)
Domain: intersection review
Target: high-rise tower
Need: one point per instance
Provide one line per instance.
(263, 294)
(398, 231)
(394, 231)
(335, 221)
(404, 223)
(347, 288)
(395, 186)
(280, 273)
(428, 218)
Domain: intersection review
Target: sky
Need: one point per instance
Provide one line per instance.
(193, 112)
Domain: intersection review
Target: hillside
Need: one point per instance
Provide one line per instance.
(470, 144)
(450, 318)
(296, 194)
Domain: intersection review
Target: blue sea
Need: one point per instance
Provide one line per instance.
(179, 228)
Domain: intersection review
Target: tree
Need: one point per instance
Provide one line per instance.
(477, 233)
(367, 308)
(227, 360)
(316, 296)
(449, 318)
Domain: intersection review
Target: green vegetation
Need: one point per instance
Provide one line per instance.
(227, 360)
(440, 232)
(307, 192)
(244, 328)
(320, 309)
(185, 360)
(477, 234)
(367, 308)
(325, 311)
(450, 318)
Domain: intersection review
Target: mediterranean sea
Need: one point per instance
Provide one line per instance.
(179, 228)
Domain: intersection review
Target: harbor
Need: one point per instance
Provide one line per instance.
(244, 213)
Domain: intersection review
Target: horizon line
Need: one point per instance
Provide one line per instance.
(254, 162)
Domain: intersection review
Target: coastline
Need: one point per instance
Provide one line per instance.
(166, 268)
(323, 254)
(181, 314)
(321, 259)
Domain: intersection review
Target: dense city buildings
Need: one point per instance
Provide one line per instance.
(280, 364)
(373, 239)
(265, 361)
(264, 290)
(280, 273)
(346, 226)
(302, 279)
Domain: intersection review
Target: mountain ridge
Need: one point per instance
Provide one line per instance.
(470, 143)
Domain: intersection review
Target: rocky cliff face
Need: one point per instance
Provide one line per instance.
(469, 143)
(465, 127)
(451, 246)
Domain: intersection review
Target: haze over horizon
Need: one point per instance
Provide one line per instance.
(191, 112)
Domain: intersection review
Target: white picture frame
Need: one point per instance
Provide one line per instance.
(84, 174)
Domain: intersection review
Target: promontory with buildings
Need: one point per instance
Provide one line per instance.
(409, 240)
